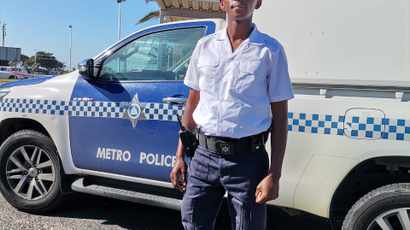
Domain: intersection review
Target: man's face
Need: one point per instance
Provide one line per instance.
(239, 9)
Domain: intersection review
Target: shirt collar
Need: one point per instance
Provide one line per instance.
(222, 35)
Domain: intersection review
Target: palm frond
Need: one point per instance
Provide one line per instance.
(151, 15)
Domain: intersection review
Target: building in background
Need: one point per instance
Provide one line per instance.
(9, 54)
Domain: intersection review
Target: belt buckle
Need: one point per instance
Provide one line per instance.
(224, 148)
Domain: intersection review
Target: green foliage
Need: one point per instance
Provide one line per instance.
(150, 16)
(24, 58)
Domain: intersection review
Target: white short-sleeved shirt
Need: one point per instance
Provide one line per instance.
(236, 88)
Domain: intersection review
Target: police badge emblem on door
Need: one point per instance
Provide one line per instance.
(134, 111)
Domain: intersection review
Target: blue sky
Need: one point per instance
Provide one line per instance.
(35, 25)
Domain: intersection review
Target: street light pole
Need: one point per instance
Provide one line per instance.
(33, 67)
(4, 34)
(70, 27)
(119, 18)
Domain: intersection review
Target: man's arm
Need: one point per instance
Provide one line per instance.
(279, 134)
(187, 119)
(177, 175)
(268, 188)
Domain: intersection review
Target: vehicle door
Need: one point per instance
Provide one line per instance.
(125, 120)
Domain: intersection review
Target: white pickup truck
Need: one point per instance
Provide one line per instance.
(110, 129)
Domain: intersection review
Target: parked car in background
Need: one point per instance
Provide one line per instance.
(8, 72)
(39, 70)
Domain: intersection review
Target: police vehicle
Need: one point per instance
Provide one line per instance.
(110, 129)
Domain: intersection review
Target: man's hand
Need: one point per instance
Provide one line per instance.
(267, 189)
(177, 175)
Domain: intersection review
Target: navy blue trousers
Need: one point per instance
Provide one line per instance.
(211, 175)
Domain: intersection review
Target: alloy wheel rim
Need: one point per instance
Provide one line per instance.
(30, 172)
(391, 220)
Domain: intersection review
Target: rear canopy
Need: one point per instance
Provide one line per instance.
(349, 40)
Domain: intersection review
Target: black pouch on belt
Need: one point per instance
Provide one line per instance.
(188, 139)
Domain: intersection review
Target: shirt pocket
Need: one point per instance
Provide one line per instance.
(207, 69)
(251, 80)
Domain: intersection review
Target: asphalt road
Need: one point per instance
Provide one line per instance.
(89, 212)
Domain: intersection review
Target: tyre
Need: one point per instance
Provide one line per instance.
(30, 172)
(385, 208)
(12, 77)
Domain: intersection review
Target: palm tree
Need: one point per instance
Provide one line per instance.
(150, 16)
(157, 13)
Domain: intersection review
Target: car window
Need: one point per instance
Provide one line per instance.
(158, 56)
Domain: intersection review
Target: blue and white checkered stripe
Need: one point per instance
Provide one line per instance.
(315, 123)
(80, 108)
(163, 112)
(355, 127)
(326, 124)
(378, 128)
(101, 109)
(50, 107)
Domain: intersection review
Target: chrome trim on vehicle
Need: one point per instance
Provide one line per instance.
(127, 195)
(126, 178)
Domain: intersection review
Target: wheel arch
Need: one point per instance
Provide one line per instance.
(13, 125)
(10, 126)
(366, 176)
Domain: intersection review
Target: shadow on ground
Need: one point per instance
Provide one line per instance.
(114, 213)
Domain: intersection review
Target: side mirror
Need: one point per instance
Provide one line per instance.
(86, 68)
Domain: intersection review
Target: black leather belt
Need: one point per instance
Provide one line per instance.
(230, 146)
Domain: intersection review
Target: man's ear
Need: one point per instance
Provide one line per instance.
(222, 5)
(258, 4)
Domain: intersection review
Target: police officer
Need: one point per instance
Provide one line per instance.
(239, 87)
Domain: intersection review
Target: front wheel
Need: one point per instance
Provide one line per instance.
(30, 172)
(385, 208)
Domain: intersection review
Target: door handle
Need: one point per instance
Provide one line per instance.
(174, 100)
